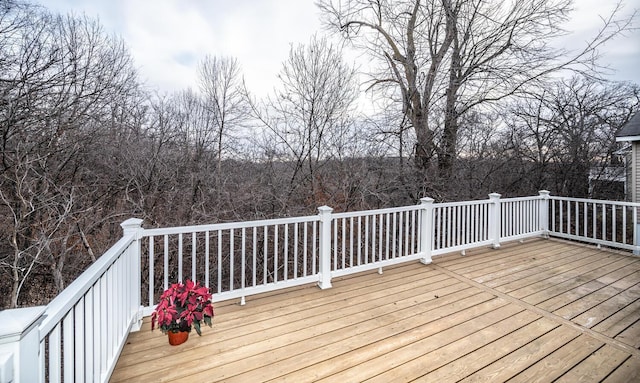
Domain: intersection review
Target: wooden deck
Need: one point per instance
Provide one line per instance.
(543, 310)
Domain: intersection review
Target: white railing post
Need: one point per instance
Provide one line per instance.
(133, 226)
(636, 230)
(544, 212)
(426, 229)
(325, 247)
(494, 219)
(20, 344)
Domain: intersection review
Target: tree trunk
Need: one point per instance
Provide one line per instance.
(58, 279)
(14, 288)
(425, 147)
(448, 150)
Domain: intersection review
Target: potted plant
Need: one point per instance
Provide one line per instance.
(182, 306)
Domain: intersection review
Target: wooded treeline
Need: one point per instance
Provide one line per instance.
(86, 146)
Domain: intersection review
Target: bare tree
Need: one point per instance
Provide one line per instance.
(567, 131)
(60, 76)
(309, 117)
(446, 57)
(222, 86)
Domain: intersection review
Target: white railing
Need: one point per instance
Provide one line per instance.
(79, 335)
(458, 226)
(372, 239)
(604, 223)
(233, 259)
(520, 218)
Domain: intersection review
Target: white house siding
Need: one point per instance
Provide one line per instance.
(635, 175)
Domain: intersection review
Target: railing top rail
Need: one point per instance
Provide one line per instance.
(521, 199)
(462, 203)
(60, 305)
(376, 211)
(228, 225)
(601, 201)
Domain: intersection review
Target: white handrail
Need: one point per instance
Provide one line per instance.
(597, 201)
(227, 226)
(69, 297)
(375, 211)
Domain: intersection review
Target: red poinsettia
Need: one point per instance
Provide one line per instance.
(181, 306)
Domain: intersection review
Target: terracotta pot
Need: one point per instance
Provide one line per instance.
(176, 338)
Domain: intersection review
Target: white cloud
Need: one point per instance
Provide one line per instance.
(168, 37)
(166, 40)
(259, 34)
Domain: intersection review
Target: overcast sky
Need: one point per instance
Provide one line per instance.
(168, 38)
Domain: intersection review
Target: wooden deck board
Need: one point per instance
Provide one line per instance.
(388, 360)
(631, 335)
(314, 350)
(335, 360)
(461, 318)
(555, 364)
(543, 274)
(510, 365)
(604, 310)
(275, 311)
(560, 279)
(470, 268)
(596, 366)
(470, 363)
(586, 302)
(629, 371)
(565, 283)
(313, 321)
(424, 363)
(535, 264)
(619, 321)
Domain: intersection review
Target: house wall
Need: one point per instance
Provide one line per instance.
(627, 176)
(635, 171)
